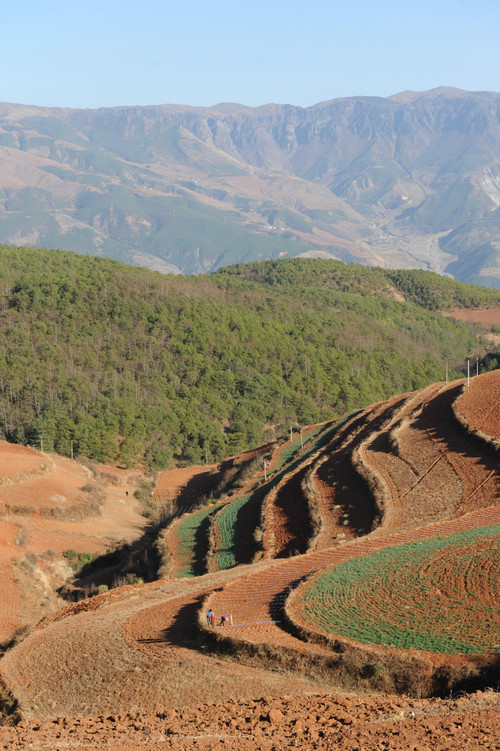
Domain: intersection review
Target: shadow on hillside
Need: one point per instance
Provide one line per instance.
(438, 420)
(128, 563)
(185, 630)
(198, 488)
(479, 677)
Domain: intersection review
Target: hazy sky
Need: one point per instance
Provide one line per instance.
(125, 52)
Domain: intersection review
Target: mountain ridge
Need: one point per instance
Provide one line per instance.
(408, 181)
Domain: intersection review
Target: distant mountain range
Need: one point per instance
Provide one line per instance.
(409, 181)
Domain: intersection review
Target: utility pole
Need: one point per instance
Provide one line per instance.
(41, 444)
(291, 434)
(265, 470)
(468, 372)
(477, 365)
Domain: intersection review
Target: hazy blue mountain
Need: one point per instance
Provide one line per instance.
(409, 181)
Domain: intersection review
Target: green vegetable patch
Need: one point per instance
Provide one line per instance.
(192, 542)
(438, 595)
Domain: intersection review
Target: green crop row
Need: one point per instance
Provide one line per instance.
(192, 541)
(291, 457)
(295, 448)
(406, 596)
(227, 532)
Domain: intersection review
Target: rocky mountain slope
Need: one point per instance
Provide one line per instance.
(407, 181)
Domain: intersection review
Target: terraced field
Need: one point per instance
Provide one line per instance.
(234, 521)
(478, 410)
(405, 601)
(288, 523)
(428, 480)
(437, 595)
(256, 601)
(188, 542)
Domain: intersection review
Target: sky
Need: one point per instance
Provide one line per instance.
(63, 53)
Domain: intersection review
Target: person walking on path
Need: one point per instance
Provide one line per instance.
(209, 615)
(212, 619)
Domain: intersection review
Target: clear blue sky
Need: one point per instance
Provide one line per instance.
(125, 52)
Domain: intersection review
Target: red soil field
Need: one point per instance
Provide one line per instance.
(34, 487)
(130, 670)
(345, 508)
(10, 592)
(479, 405)
(20, 460)
(267, 723)
(435, 472)
(486, 316)
(187, 482)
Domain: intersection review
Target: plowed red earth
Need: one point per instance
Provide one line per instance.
(183, 485)
(290, 521)
(10, 592)
(345, 507)
(126, 672)
(479, 405)
(436, 473)
(31, 484)
(344, 722)
(486, 316)
(19, 461)
(288, 526)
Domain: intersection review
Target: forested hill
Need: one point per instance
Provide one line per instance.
(125, 363)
